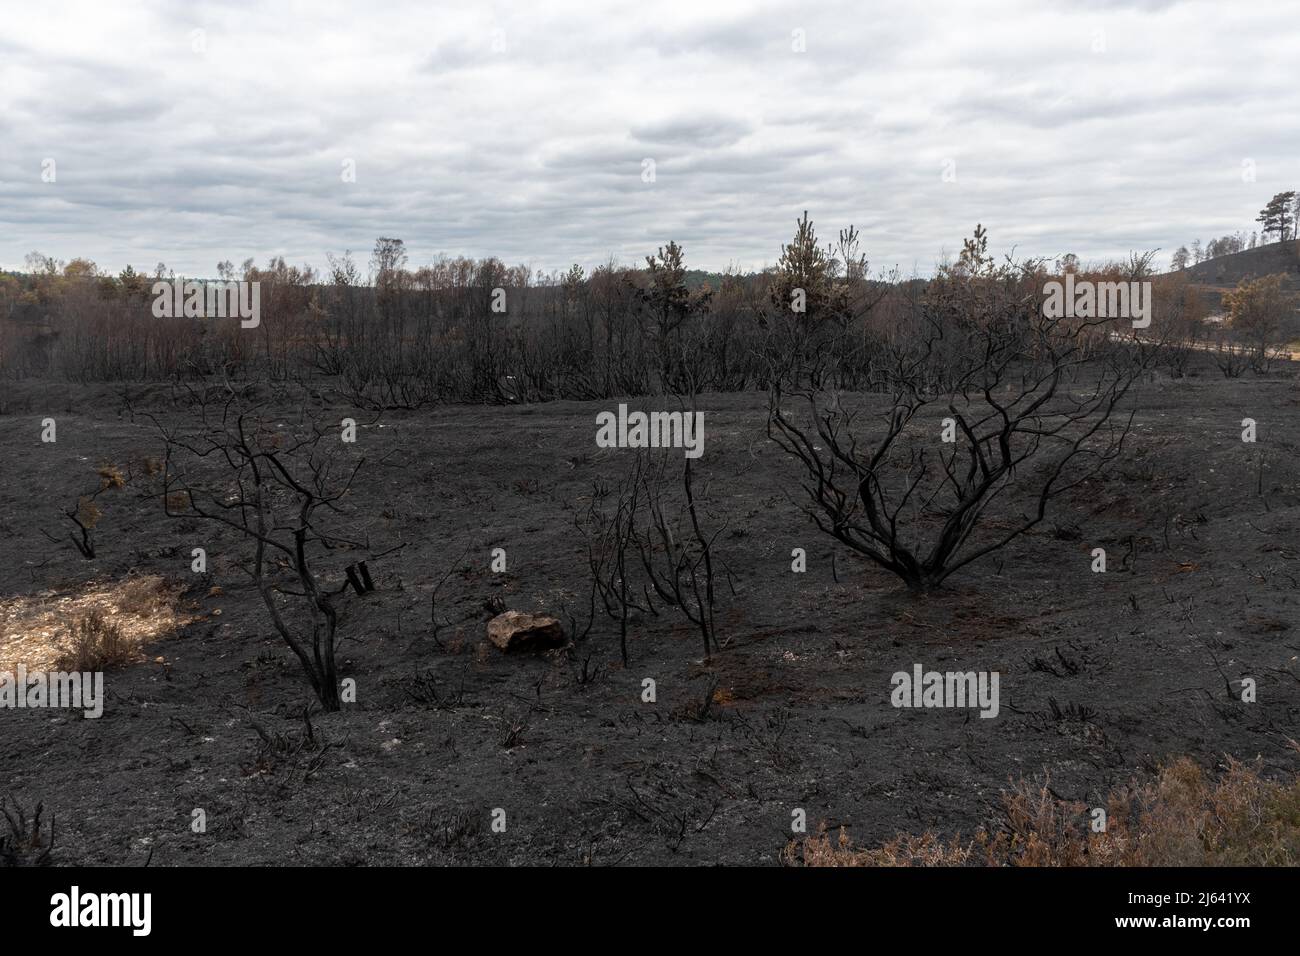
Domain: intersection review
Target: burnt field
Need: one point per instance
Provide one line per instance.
(1104, 677)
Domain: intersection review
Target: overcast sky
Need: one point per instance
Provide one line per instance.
(191, 132)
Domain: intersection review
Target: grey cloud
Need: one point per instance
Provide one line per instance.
(705, 132)
(534, 153)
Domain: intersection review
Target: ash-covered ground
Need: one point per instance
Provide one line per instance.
(1102, 676)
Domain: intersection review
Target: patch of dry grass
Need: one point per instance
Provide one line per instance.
(1184, 817)
(110, 476)
(88, 513)
(96, 644)
(110, 621)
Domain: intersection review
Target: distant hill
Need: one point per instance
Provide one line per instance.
(1221, 274)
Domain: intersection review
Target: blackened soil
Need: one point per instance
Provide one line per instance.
(1103, 676)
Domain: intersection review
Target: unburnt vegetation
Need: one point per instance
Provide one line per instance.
(1182, 816)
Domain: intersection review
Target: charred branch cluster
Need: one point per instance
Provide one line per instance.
(989, 403)
(646, 544)
(280, 487)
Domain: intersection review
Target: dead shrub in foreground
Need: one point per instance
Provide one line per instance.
(29, 841)
(97, 644)
(1022, 424)
(282, 494)
(1181, 818)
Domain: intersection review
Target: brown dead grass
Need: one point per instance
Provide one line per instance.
(110, 476)
(88, 513)
(97, 643)
(120, 617)
(1184, 817)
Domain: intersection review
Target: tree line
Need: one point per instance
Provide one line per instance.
(385, 333)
